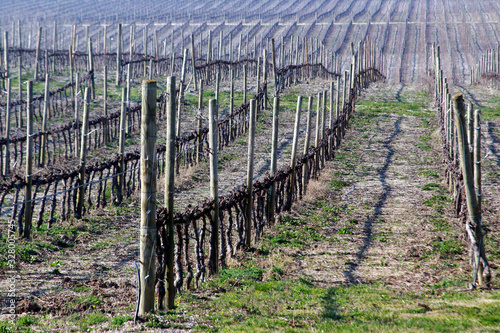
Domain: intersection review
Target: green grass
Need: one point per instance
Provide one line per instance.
(297, 305)
(418, 109)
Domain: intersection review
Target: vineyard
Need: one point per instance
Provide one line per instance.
(249, 166)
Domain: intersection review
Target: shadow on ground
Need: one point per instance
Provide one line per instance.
(350, 272)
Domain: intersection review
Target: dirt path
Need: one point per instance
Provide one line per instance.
(384, 213)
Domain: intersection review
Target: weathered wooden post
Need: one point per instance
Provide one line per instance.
(29, 163)
(105, 105)
(6, 164)
(199, 150)
(474, 222)
(231, 105)
(249, 206)
(477, 156)
(317, 138)
(119, 55)
(274, 159)
(331, 143)
(128, 120)
(193, 57)
(148, 197)
(181, 92)
(305, 166)
(43, 148)
(214, 188)
(6, 53)
(20, 97)
(121, 148)
(83, 156)
(77, 116)
(245, 84)
(37, 54)
(169, 191)
(293, 160)
(91, 68)
(323, 125)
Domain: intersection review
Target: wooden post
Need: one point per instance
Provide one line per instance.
(293, 161)
(193, 57)
(317, 138)
(29, 162)
(331, 144)
(148, 197)
(305, 167)
(200, 122)
(181, 93)
(249, 206)
(274, 68)
(119, 55)
(245, 84)
(274, 159)
(6, 53)
(337, 111)
(91, 69)
(43, 148)
(77, 116)
(6, 164)
(20, 81)
(217, 83)
(323, 127)
(169, 191)
(71, 72)
(105, 104)
(121, 147)
(477, 156)
(231, 105)
(214, 188)
(474, 222)
(128, 120)
(83, 155)
(37, 54)
(470, 129)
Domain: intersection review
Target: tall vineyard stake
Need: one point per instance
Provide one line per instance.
(37, 55)
(474, 222)
(128, 120)
(477, 156)
(231, 105)
(214, 188)
(337, 111)
(43, 148)
(193, 57)
(245, 84)
(199, 150)
(71, 72)
(217, 88)
(20, 81)
(121, 147)
(258, 85)
(83, 155)
(148, 197)
(293, 159)
(6, 165)
(274, 158)
(28, 212)
(54, 48)
(323, 125)
(264, 70)
(331, 144)
(249, 205)
(119, 55)
(91, 69)
(275, 74)
(305, 166)
(77, 116)
(169, 191)
(105, 104)
(470, 129)
(317, 138)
